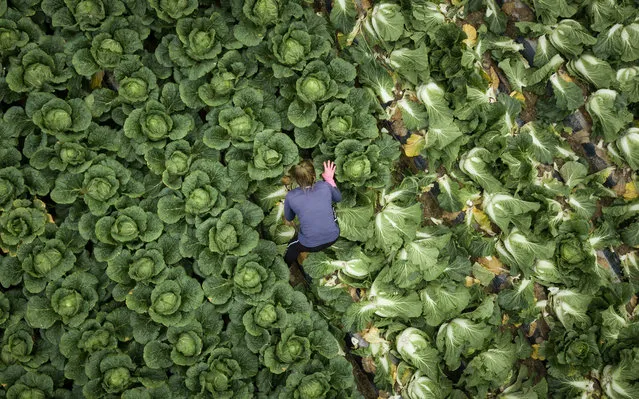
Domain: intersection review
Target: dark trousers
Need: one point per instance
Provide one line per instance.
(295, 248)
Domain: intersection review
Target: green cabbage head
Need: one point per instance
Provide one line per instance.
(66, 120)
(187, 343)
(261, 12)
(174, 300)
(110, 372)
(173, 10)
(31, 386)
(289, 350)
(22, 224)
(228, 234)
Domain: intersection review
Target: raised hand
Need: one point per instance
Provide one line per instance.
(329, 173)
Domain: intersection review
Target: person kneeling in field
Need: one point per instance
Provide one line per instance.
(312, 202)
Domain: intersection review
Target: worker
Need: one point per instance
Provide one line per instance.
(312, 202)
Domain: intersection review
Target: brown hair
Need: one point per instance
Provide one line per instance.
(304, 173)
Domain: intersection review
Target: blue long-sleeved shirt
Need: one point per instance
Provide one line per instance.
(314, 209)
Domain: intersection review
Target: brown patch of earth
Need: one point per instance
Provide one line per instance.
(364, 385)
(430, 205)
(476, 19)
(529, 111)
(516, 11)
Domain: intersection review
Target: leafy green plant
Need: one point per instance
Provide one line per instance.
(486, 158)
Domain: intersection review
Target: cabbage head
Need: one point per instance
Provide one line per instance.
(415, 347)
(117, 41)
(293, 46)
(355, 161)
(313, 386)
(31, 385)
(137, 83)
(87, 14)
(69, 300)
(571, 353)
(223, 374)
(264, 316)
(231, 67)
(18, 346)
(128, 227)
(152, 126)
(101, 185)
(173, 301)
(146, 265)
(289, 350)
(110, 372)
(36, 70)
(66, 120)
(64, 156)
(423, 387)
(16, 34)
(89, 337)
(172, 162)
(628, 146)
(173, 10)
(273, 152)
(187, 344)
(262, 12)
(22, 224)
(44, 261)
(228, 234)
(239, 124)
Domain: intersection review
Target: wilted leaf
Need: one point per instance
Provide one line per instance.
(471, 34)
(414, 145)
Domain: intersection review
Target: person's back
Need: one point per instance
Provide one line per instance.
(313, 207)
(312, 202)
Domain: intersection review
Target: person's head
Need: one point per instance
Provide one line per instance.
(304, 173)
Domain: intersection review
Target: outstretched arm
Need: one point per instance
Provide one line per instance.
(329, 177)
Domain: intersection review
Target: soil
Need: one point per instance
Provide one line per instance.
(364, 384)
(430, 205)
(529, 111)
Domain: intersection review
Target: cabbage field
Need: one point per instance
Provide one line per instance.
(486, 150)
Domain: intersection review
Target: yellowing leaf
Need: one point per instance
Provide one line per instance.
(470, 281)
(372, 335)
(393, 372)
(517, 95)
(96, 79)
(414, 145)
(492, 263)
(482, 220)
(532, 328)
(535, 353)
(565, 76)
(494, 78)
(631, 191)
(471, 34)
